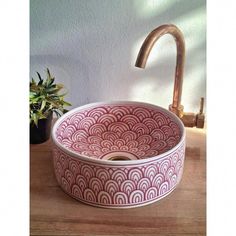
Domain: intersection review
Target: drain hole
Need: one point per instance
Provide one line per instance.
(119, 158)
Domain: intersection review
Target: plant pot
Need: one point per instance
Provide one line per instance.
(41, 133)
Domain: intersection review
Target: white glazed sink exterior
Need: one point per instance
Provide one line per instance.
(152, 138)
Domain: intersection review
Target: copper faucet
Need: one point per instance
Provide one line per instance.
(189, 119)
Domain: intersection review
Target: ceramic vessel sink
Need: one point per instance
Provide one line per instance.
(118, 154)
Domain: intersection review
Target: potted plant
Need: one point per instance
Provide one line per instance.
(45, 99)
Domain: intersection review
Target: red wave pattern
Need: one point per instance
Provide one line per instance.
(141, 131)
(116, 186)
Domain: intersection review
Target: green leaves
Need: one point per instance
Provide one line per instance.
(44, 98)
(66, 103)
(35, 116)
(43, 104)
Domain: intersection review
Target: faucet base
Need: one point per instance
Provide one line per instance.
(179, 111)
(189, 119)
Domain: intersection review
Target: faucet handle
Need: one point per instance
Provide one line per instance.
(201, 105)
(200, 116)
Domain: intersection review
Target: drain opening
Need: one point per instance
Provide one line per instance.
(119, 158)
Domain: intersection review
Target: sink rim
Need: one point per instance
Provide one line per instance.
(110, 162)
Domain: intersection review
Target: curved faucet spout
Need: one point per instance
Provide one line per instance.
(145, 50)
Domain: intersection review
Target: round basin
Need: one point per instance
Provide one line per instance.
(118, 154)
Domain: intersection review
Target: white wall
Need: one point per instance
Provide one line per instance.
(91, 46)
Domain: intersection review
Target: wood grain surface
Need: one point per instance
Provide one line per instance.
(183, 212)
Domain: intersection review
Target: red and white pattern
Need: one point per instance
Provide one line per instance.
(85, 138)
(118, 186)
(140, 131)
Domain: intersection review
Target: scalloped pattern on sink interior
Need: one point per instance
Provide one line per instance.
(141, 131)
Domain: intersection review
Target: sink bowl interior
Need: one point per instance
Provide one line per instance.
(118, 131)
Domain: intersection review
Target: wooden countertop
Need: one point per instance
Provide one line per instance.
(183, 212)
